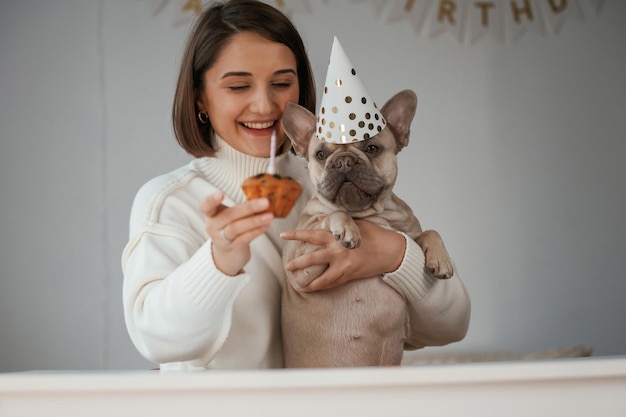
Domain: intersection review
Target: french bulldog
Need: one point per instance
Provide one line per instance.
(364, 321)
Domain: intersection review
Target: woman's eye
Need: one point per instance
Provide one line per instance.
(237, 87)
(282, 85)
(372, 149)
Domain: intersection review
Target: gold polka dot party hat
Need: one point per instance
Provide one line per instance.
(347, 112)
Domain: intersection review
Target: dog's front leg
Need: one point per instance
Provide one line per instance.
(343, 228)
(437, 258)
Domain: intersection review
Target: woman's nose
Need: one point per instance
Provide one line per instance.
(262, 101)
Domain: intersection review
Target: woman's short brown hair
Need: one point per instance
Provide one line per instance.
(211, 32)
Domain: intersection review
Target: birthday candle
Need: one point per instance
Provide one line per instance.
(271, 169)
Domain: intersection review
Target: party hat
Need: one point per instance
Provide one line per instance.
(347, 112)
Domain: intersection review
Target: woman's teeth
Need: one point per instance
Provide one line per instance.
(258, 125)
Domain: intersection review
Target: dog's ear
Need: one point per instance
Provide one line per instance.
(399, 111)
(299, 125)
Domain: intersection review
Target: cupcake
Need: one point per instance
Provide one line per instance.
(282, 192)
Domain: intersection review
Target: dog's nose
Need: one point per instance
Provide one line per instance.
(344, 163)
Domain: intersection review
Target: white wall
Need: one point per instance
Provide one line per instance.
(515, 158)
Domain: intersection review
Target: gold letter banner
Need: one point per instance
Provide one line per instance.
(464, 20)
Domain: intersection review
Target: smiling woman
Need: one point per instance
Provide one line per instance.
(233, 25)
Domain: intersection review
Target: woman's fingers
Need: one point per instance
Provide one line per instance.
(212, 205)
(333, 276)
(314, 236)
(246, 209)
(247, 228)
(231, 229)
(318, 257)
(240, 223)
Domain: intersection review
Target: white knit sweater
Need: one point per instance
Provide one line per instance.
(183, 313)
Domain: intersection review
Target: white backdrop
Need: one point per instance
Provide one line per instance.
(516, 158)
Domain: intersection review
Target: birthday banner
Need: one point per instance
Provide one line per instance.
(467, 21)
(472, 20)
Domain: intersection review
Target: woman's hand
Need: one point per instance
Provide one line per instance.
(233, 228)
(381, 251)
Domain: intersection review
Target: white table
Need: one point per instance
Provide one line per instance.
(566, 387)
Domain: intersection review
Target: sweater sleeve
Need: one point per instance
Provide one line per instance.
(177, 304)
(439, 309)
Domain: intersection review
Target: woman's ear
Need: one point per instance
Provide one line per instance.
(200, 101)
(200, 105)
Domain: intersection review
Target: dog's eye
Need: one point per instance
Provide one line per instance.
(372, 149)
(321, 155)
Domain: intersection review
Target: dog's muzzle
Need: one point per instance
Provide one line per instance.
(350, 183)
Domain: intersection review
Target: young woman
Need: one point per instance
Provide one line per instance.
(202, 270)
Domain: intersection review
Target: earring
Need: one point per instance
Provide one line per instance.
(203, 117)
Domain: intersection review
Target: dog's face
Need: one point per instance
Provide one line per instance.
(355, 176)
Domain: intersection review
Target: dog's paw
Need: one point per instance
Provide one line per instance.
(348, 235)
(439, 264)
(343, 228)
(438, 261)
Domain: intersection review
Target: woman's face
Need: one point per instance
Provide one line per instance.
(246, 92)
